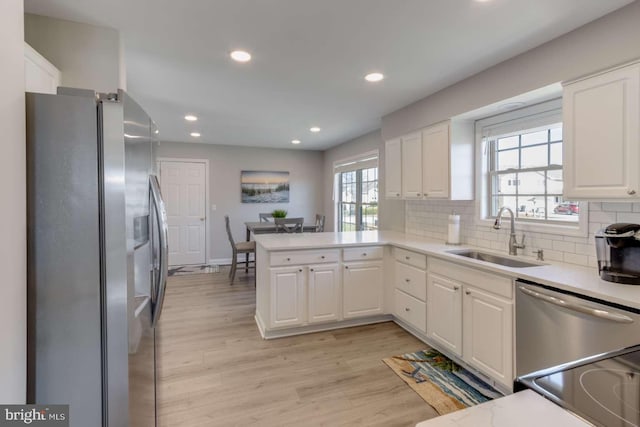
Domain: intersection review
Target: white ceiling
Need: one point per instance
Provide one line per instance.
(309, 58)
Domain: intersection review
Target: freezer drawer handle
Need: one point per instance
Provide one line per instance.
(592, 311)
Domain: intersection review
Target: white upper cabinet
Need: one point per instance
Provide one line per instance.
(40, 75)
(393, 168)
(412, 166)
(601, 116)
(435, 163)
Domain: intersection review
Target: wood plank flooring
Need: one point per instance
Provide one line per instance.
(214, 369)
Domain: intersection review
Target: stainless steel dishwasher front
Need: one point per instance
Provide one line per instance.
(555, 327)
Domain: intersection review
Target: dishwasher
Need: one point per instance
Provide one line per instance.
(554, 326)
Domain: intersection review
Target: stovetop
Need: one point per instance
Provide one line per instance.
(604, 389)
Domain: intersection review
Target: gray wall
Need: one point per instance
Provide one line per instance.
(390, 212)
(87, 56)
(13, 227)
(608, 41)
(225, 165)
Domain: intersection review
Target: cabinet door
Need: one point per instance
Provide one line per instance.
(40, 76)
(393, 169)
(323, 295)
(412, 166)
(444, 312)
(362, 285)
(411, 310)
(488, 334)
(601, 118)
(435, 161)
(287, 297)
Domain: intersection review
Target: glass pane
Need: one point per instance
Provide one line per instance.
(534, 137)
(531, 207)
(554, 182)
(508, 160)
(500, 201)
(561, 210)
(531, 182)
(369, 217)
(534, 157)
(348, 217)
(556, 133)
(510, 142)
(556, 153)
(507, 183)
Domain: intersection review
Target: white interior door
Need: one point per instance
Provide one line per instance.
(183, 188)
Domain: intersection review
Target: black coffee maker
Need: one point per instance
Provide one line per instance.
(618, 249)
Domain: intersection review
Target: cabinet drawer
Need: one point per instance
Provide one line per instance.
(363, 254)
(499, 285)
(412, 280)
(304, 257)
(412, 258)
(411, 310)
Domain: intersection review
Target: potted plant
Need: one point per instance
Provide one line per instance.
(279, 213)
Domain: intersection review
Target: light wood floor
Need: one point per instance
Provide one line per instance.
(215, 370)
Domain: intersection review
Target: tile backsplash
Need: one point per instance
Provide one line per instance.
(430, 219)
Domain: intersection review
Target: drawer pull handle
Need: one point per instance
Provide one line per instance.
(346, 266)
(407, 280)
(288, 259)
(455, 288)
(398, 194)
(467, 292)
(407, 258)
(311, 269)
(364, 254)
(631, 192)
(322, 257)
(407, 309)
(300, 270)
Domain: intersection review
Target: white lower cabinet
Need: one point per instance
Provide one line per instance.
(411, 310)
(488, 334)
(444, 312)
(287, 297)
(362, 285)
(324, 293)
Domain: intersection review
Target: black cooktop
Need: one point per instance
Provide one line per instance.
(604, 389)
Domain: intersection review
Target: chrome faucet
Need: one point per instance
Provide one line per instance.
(513, 243)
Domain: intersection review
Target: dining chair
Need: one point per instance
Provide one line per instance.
(238, 248)
(320, 223)
(265, 217)
(289, 225)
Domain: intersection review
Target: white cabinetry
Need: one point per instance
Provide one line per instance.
(444, 312)
(287, 296)
(410, 291)
(393, 168)
(437, 163)
(324, 293)
(412, 166)
(362, 284)
(40, 75)
(304, 294)
(601, 126)
(488, 334)
(470, 314)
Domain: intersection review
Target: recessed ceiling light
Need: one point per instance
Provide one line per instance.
(195, 134)
(240, 56)
(296, 141)
(374, 77)
(314, 129)
(190, 118)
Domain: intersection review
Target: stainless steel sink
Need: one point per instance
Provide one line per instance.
(494, 259)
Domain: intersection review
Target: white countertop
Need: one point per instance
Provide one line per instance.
(524, 409)
(573, 278)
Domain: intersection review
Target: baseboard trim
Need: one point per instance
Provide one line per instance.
(227, 261)
(321, 327)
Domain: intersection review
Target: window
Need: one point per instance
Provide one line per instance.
(357, 194)
(523, 164)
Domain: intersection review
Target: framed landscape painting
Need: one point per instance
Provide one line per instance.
(264, 187)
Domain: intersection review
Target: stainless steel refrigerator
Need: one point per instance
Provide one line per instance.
(97, 257)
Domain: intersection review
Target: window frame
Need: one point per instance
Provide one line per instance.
(528, 118)
(355, 164)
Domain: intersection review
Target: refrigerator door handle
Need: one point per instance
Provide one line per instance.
(163, 231)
